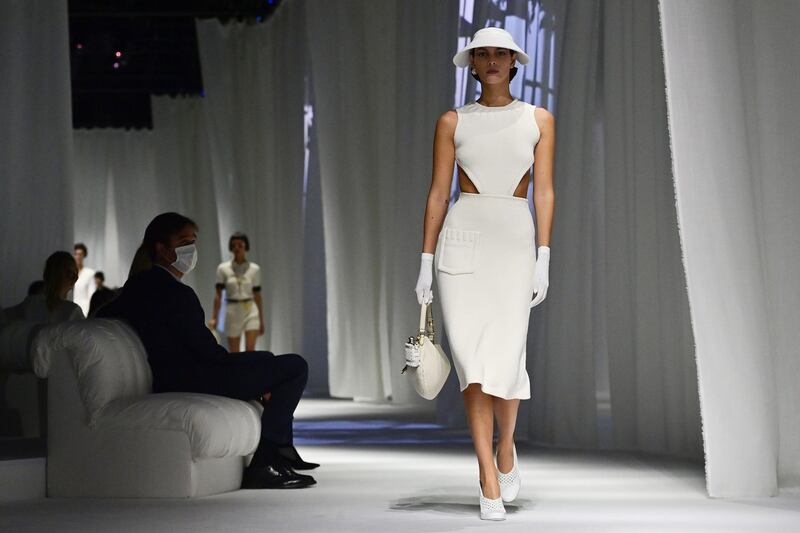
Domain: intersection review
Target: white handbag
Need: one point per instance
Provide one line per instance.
(426, 363)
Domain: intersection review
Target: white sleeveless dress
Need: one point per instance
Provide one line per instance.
(486, 253)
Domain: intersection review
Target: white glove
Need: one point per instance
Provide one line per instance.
(541, 276)
(425, 280)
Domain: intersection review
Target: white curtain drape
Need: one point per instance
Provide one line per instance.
(732, 84)
(186, 183)
(116, 195)
(381, 76)
(254, 80)
(35, 141)
(125, 178)
(240, 173)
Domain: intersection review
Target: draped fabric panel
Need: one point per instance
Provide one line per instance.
(567, 327)
(125, 178)
(220, 160)
(649, 341)
(116, 195)
(254, 79)
(381, 77)
(185, 181)
(35, 141)
(732, 85)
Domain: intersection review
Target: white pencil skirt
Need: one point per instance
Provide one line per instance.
(485, 261)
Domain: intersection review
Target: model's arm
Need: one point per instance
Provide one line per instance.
(543, 195)
(217, 300)
(444, 155)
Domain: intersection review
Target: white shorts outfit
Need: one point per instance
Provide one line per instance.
(240, 282)
(486, 254)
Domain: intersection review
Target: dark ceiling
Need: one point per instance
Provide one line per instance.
(123, 51)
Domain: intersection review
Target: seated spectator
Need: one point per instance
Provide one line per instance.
(99, 280)
(102, 294)
(185, 357)
(101, 297)
(50, 305)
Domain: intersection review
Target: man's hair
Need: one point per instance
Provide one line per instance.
(81, 246)
(160, 230)
(239, 236)
(99, 274)
(100, 298)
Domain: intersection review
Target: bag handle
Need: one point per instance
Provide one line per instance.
(426, 321)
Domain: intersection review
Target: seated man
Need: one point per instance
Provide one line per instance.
(185, 357)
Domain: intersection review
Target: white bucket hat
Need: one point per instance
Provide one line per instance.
(497, 37)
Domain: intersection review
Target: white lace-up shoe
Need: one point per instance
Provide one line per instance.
(510, 482)
(491, 509)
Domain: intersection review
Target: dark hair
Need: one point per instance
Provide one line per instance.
(99, 274)
(81, 246)
(239, 236)
(161, 229)
(37, 287)
(513, 71)
(59, 270)
(100, 298)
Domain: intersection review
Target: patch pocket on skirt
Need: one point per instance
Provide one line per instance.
(457, 254)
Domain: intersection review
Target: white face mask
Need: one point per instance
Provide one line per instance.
(187, 258)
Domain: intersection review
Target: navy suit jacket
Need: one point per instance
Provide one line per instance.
(170, 321)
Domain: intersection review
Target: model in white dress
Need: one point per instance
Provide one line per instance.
(485, 254)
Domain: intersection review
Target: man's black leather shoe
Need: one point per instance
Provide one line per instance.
(293, 458)
(274, 476)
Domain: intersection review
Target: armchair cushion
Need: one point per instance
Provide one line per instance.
(107, 355)
(216, 426)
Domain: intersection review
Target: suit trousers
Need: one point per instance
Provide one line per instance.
(247, 376)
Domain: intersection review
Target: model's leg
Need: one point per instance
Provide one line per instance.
(234, 344)
(506, 413)
(479, 409)
(250, 338)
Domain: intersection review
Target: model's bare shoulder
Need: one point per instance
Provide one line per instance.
(544, 119)
(447, 121)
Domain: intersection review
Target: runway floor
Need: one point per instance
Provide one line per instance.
(384, 471)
